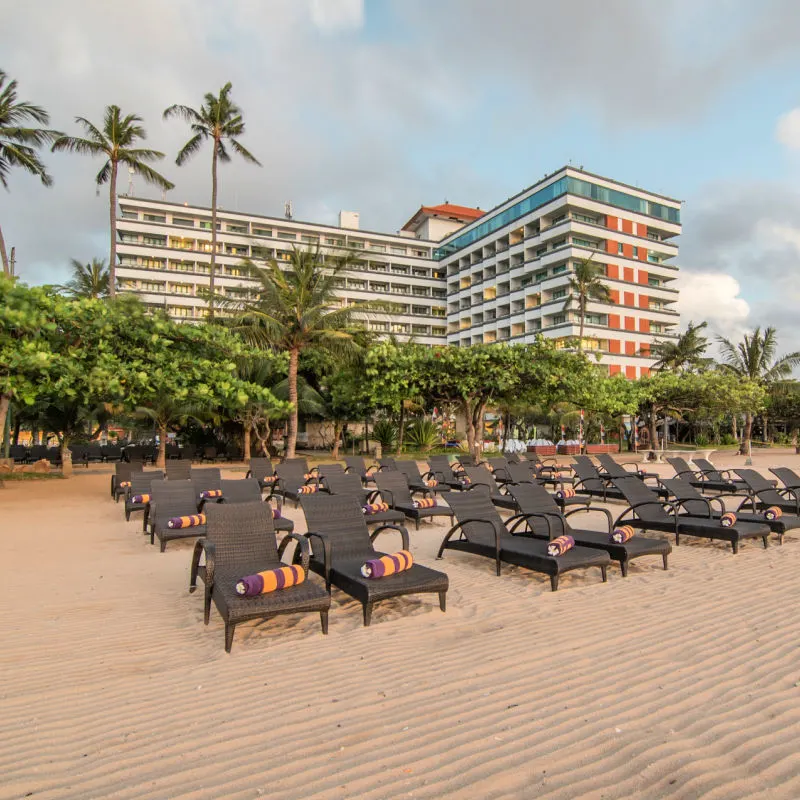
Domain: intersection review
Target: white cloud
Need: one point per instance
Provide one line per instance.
(337, 15)
(787, 131)
(713, 297)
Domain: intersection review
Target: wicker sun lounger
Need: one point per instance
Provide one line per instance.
(179, 470)
(291, 477)
(140, 485)
(236, 546)
(480, 479)
(788, 477)
(481, 531)
(341, 544)
(394, 490)
(416, 480)
(171, 499)
(247, 490)
(761, 493)
(350, 485)
(442, 470)
(358, 466)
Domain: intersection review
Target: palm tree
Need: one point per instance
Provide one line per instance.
(584, 286)
(218, 119)
(115, 141)
(18, 143)
(685, 354)
(296, 308)
(88, 280)
(754, 359)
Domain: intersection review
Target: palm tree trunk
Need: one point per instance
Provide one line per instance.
(291, 441)
(161, 461)
(337, 433)
(764, 423)
(112, 261)
(653, 428)
(4, 255)
(246, 425)
(66, 458)
(735, 427)
(5, 400)
(582, 311)
(747, 434)
(400, 427)
(213, 269)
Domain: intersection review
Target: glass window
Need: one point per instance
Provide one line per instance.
(236, 228)
(287, 235)
(636, 252)
(154, 218)
(558, 294)
(619, 248)
(560, 268)
(558, 319)
(262, 231)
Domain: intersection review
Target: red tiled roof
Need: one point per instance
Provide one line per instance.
(462, 213)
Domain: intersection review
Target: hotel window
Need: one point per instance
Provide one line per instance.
(583, 218)
(580, 242)
(559, 269)
(379, 287)
(420, 253)
(421, 329)
(636, 252)
(400, 251)
(619, 248)
(181, 288)
(379, 326)
(206, 225)
(236, 228)
(420, 310)
(420, 291)
(310, 239)
(399, 269)
(399, 327)
(357, 245)
(399, 288)
(355, 284)
(655, 327)
(287, 235)
(154, 218)
(558, 319)
(155, 241)
(420, 273)
(437, 274)
(180, 311)
(438, 332)
(541, 251)
(262, 232)
(378, 248)
(376, 266)
(558, 243)
(440, 293)
(154, 263)
(335, 242)
(653, 282)
(595, 319)
(183, 222)
(558, 294)
(261, 252)
(540, 276)
(656, 305)
(438, 311)
(150, 286)
(129, 215)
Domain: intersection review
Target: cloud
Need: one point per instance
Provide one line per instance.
(336, 15)
(787, 131)
(713, 297)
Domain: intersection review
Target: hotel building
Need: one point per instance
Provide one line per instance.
(453, 274)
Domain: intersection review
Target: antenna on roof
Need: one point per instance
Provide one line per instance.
(287, 209)
(131, 173)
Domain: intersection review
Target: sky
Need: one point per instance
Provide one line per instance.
(380, 106)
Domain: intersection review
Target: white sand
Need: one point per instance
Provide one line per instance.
(683, 683)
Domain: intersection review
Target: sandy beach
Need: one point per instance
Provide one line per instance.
(684, 683)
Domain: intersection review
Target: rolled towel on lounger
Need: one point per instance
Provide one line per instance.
(140, 498)
(426, 502)
(559, 546)
(191, 521)
(772, 513)
(269, 479)
(622, 534)
(307, 490)
(465, 480)
(431, 483)
(375, 508)
(387, 565)
(565, 493)
(123, 484)
(728, 519)
(210, 494)
(270, 581)
(309, 475)
(276, 513)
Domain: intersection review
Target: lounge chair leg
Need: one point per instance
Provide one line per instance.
(553, 583)
(323, 615)
(780, 539)
(127, 515)
(163, 545)
(367, 614)
(766, 541)
(735, 547)
(604, 573)
(443, 601)
(677, 540)
(207, 606)
(623, 565)
(417, 522)
(666, 559)
(229, 628)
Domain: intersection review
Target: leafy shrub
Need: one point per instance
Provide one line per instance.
(728, 439)
(701, 440)
(423, 434)
(384, 433)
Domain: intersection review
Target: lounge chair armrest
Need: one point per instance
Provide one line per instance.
(387, 495)
(587, 510)
(678, 504)
(686, 472)
(326, 554)
(302, 543)
(248, 474)
(202, 547)
(794, 494)
(518, 519)
(460, 525)
(373, 495)
(429, 474)
(389, 527)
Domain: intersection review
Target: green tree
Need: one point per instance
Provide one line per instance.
(295, 307)
(755, 359)
(684, 354)
(20, 141)
(586, 285)
(115, 140)
(88, 280)
(218, 119)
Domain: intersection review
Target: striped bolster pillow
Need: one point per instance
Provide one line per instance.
(426, 502)
(307, 490)
(466, 480)
(565, 493)
(123, 484)
(457, 467)
(387, 565)
(728, 519)
(276, 513)
(375, 508)
(140, 498)
(192, 521)
(208, 494)
(431, 483)
(309, 475)
(622, 534)
(270, 580)
(773, 512)
(269, 479)
(559, 546)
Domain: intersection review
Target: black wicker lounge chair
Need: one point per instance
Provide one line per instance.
(140, 485)
(761, 493)
(481, 531)
(416, 480)
(205, 479)
(386, 463)
(38, 452)
(171, 499)
(262, 470)
(695, 503)
(302, 461)
(19, 453)
(341, 543)
(350, 485)
(247, 490)
(291, 479)
(358, 466)
(236, 546)
(329, 469)
(480, 479)
(650, 512)
(94, 453)
(499, 466)
(613, 469)
(533, 498)
(179, 470)
(522, 473)
(122, 475)
(788, 477)
(442, 470)
(395, 491)
(112, 452)
(589, 482)
(716, 478)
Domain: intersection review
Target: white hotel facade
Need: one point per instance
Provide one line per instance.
(475, 277)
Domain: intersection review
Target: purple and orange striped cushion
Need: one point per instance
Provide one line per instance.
(622, 534)
(375, 508)
(426, 502)
(208, 494)
(123, 484)
(140, 498)
(270, 581)
(728, 519)
(191, 521)
(560, 545)
(387, 565)
(773, 512)
(565, 493)
(431, 483)
(307, 490)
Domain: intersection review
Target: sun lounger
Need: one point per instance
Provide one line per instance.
(761, 493)
(395, 491)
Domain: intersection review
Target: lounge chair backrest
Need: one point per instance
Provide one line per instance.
(611, 467)
(466, 461)
(761, 486)
(204, 479)
(301, 460)
(244, 490)
(261, 468)
(711, 472)
(387, 463)
(635, 491)
(142, 481)
(588, 477)
(480, 476)
(331, 469)
(94, 452)
(341, 519)
(533, 498)
(514, 458)
(357, 465)
(396, 483)
(244, 538)
(125, 468)
(680, 465)
(410, 469)
(112, 452)
(347, 483)
(178, 470)
(500, 465)
(520, 473)
(692, 502)
(477, 506)
(173, 499)
(788, 477)
(292, 475)
(440, 465)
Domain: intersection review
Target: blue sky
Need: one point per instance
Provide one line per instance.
(383, 105)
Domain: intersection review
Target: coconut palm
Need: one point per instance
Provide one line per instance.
(685, 354)
(19, 143)
(88, 280)
(295, 306)
(218, 119)
(754, 359)
(115, 141)
(586, 285)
